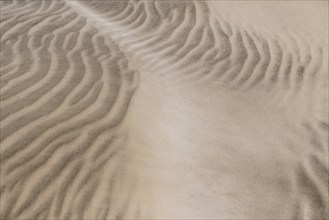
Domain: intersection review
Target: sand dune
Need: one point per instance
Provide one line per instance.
(164, 110)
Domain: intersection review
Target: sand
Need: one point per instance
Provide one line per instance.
(164, 109)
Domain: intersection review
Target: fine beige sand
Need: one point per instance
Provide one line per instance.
(154, 109)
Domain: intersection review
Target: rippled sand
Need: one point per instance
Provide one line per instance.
(164, 109)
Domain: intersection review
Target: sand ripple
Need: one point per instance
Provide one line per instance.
(159, 109)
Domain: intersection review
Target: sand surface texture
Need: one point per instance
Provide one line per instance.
(149, 109)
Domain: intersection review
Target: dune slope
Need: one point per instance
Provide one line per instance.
(164, 109)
